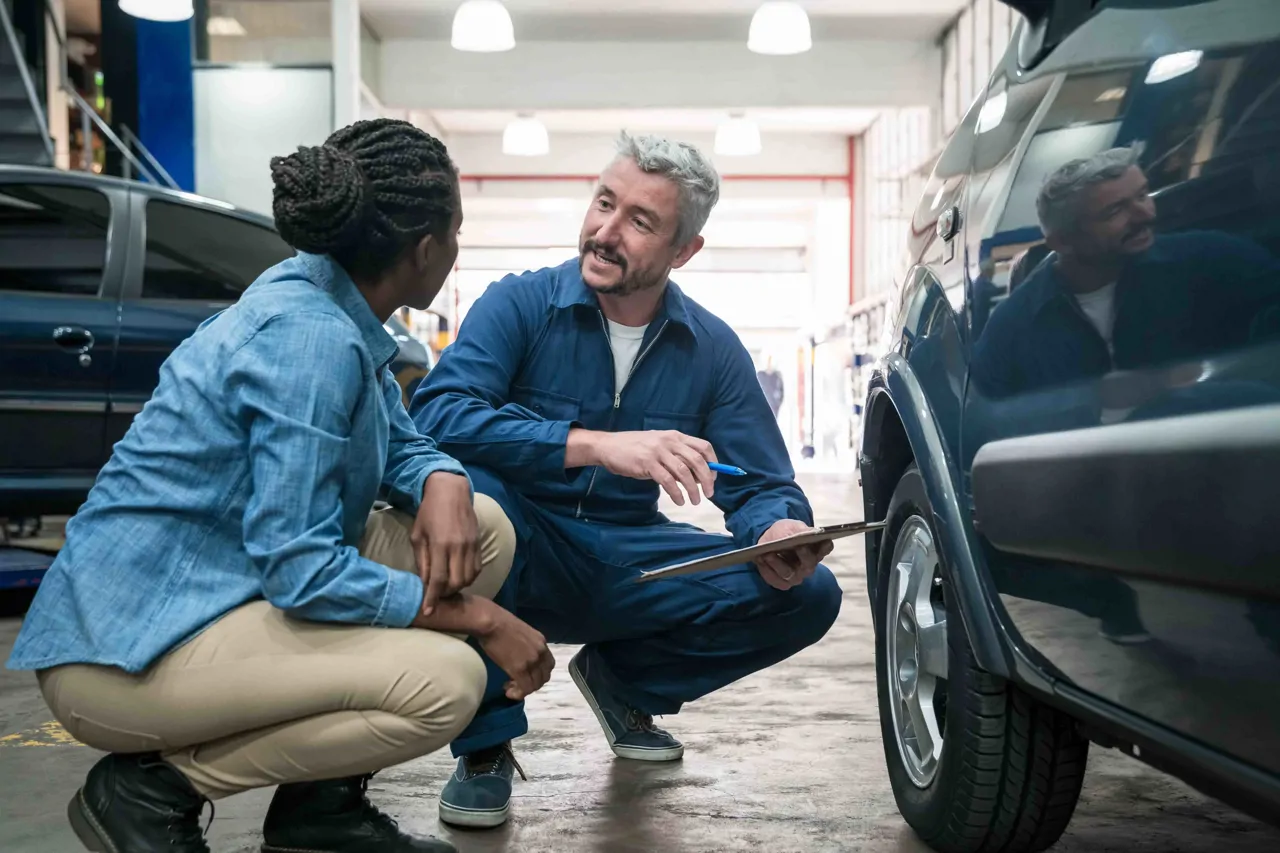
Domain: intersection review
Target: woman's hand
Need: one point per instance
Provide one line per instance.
(446, 538)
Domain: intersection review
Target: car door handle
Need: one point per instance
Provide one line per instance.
(73, 338)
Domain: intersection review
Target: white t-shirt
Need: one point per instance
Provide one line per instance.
(1100, 307)
(625, 342)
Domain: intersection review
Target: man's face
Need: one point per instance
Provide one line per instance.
(1116, 219)
(627, 242)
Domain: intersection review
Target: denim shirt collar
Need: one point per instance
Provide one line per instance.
(328, 275)
(571, 290)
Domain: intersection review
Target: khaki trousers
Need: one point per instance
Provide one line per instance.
(262, 699)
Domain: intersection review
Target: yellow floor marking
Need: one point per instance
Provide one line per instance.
(50, 734)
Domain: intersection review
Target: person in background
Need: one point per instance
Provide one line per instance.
(770, 379)
(227, 612)
(574, 395)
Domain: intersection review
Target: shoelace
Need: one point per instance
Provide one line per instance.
(491, 763)
(184, 827)
(639, 721)
(372, 813)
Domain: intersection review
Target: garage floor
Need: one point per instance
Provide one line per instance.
(787, 760)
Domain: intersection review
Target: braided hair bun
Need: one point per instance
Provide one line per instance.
(319, 200)
(372, 190)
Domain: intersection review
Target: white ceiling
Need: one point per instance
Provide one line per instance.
(843, 8)
(843, 121)
(666, 20)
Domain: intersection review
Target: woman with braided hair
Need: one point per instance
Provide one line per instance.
(228, 611)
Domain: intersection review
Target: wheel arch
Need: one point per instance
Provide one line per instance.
(899, 430)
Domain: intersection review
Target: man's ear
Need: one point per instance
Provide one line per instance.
(687, 251)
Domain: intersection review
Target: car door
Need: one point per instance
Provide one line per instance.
(1125, 489)
(60, 265)
(193, 260)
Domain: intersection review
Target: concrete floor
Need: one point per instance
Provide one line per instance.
(787, 760)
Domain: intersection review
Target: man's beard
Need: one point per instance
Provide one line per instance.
(629, 282)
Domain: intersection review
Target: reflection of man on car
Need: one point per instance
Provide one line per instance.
(1115, 295)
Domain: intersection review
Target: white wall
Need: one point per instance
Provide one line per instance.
(279, 51)
(588, 154)
(246, 116)
(629, 75)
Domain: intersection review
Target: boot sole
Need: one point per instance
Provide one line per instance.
(86, 826)
(474, 818)
(632, 752)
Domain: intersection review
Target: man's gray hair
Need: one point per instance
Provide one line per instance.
(697, 180)
(1058, 204)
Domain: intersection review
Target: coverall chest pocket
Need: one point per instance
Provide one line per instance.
(689, 424)
(547, 404)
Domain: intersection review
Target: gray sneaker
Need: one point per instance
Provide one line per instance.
(631, 733)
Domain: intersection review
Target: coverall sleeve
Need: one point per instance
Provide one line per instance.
(464, 403)
(743, 431)
(298, 420)
(411, 456)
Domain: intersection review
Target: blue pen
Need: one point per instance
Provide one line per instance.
(726, 469)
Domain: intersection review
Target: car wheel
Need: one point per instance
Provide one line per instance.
(976, 764)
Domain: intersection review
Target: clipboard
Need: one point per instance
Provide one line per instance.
(748, 555)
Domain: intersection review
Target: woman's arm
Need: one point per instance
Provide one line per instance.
(293, 386)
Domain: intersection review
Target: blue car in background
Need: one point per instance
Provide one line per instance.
(100, 279)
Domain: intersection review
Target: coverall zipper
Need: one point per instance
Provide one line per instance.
(617, 397)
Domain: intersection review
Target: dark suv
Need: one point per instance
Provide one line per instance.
(99, 280)
(1075, 434)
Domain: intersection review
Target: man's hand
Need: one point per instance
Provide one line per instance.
(669, 458)
(788, 569)
(520, 651)
(446, 538)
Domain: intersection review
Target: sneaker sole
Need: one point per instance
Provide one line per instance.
(474, 818)
(86, 827)
(635, 753)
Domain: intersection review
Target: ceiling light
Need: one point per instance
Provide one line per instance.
(483, 26)
(158, 10)
(779, 29)
(1113, 94)
(222, 26)
(1174, 65)
(525, 137)
(737, 137)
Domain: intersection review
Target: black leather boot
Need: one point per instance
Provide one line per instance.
(137, 804)
(336, 817)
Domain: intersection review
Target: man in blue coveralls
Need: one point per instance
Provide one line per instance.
(571, 395)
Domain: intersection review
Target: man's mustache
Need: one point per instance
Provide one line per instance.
(594, 247)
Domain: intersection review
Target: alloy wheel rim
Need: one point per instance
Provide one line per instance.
(916, 622)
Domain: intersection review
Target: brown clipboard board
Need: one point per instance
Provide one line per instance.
(747, 555)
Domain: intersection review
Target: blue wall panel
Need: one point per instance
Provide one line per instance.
(166, 97)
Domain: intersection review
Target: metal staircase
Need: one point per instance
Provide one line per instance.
(24, 135)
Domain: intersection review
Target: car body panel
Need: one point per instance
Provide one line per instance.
(1192, 668)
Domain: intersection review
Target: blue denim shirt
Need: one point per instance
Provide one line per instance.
(532, 360)
(249, 475)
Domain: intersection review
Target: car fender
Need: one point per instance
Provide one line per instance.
(897, 387)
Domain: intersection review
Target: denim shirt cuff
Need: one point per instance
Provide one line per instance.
(401, 601)
(446, 465)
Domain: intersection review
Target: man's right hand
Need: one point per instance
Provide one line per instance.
(520, 651)
(669, 458)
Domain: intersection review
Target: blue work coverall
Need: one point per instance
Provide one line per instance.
(533, 360)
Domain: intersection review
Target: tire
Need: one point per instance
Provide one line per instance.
(1009, 772)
